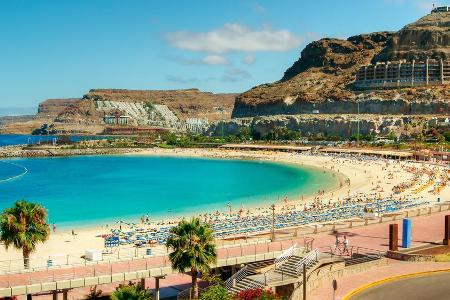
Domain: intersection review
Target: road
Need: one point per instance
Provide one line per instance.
(432, 286)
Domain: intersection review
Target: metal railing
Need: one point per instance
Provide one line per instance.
(310, 259)
(236, 278)
(308, 243)
(84, 269)
(256, 281)
(15, 266)
(285, 256)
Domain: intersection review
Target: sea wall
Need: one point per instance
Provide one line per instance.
(23, 151)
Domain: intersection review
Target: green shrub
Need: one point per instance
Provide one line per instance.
(216, 292)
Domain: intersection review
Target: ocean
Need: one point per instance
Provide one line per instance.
(86, 190)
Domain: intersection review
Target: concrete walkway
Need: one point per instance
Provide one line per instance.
(425, 229)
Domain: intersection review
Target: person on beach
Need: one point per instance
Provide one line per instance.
(54, 228)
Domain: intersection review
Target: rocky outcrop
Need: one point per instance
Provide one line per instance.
(334, 55)
(82, 112)
(426, 38)
(53, 107)
(86, 115)
(321, 79)
(329, 106)
(324, 70)
(189, 103)
(326, 125)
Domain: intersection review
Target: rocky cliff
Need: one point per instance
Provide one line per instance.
(320, 80)
(189, 103)
(85, 115)
(53, 107)
(428, 37)
(342, 126)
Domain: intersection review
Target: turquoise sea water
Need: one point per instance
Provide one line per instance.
(79, 191)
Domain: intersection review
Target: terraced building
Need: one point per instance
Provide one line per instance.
(403, 74)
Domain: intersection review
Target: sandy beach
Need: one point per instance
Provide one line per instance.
(353, 176)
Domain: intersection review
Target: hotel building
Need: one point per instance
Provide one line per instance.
(403, 74)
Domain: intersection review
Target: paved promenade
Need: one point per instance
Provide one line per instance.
(171, 285)
(425, 229)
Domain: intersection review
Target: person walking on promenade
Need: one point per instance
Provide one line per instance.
(337, 243)
(346, 242)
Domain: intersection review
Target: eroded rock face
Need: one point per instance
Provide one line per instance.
(334, 55)
(428, 37)
(324, 70)
(80, 115)
(329, 106)
(321, 78)
(53, 107)
(342, 126)
(83, 112)
(189, 103)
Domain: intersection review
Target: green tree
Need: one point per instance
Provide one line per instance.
(420, 137)
(440, 139)
(446, 134)
(216, 292)
(392, 136)
(23, 226)
(131, 291)
(193, 248)
(245, 133)
(282, 133)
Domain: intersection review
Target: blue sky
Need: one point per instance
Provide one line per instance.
(63, 48)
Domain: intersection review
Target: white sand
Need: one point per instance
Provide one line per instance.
(364, 177)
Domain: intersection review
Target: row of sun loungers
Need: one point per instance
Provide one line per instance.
(236, 225)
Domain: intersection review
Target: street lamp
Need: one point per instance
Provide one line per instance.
(272, 234)
(357, 137)
(222, 110)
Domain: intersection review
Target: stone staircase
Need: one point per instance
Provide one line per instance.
(244, 280)
(287, 268)
(293, 267)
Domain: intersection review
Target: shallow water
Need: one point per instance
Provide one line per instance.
(78, 191)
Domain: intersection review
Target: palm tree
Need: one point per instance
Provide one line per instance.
(94, 294)
(131, 291)
(23, 226)
(192, 244)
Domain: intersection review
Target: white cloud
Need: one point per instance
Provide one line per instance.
(234, 37)
(212, 59)
(232, 75)
(182, 80)
(215, 60)
(248, 59)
